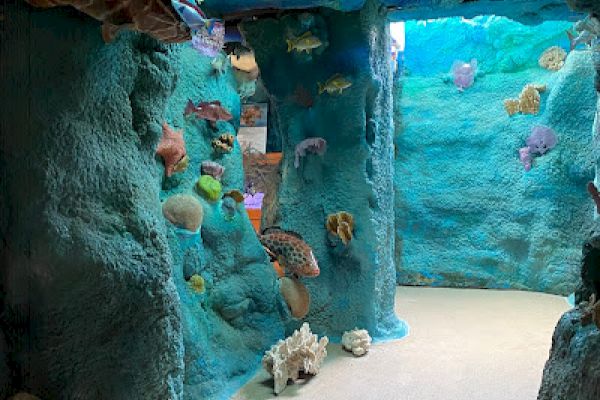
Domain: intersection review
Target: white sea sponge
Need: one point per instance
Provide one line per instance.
(303, 351)
(358, 341)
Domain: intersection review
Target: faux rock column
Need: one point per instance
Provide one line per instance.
(89, 307)
(356, 286)
(573, 369)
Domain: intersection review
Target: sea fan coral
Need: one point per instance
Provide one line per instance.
(301, 352)
(315, 145)
(553, 58)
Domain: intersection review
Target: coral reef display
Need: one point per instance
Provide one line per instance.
(312, 145)
(209, 187)
(302, 352)
(553, 58)
(356, 341)
(172, 150)
(296, 296)
(291, 251)
(341, 225)
(154, 17)
(184, 210)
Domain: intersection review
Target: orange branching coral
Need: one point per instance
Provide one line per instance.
(157, 18)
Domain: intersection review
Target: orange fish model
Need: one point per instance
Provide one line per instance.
(291, 251)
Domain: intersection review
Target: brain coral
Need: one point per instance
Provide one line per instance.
(553, 58)
(184, 210)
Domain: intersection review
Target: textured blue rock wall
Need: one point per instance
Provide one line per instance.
(227, 328)
(467, 212)
(89, 306)
(95, 301)
(499, 44)
(356, 285)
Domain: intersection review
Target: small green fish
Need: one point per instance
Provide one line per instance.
(335, 84)
(307, 42)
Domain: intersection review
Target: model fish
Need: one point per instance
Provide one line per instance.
(307, 42)
(290, 250)
(193, 16)
(587, 30)
(211, 111)
(335, 84)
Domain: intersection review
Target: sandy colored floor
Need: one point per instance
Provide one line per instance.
(464, 345)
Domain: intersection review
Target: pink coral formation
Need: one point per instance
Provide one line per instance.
(171, 148)
(463, 74)
(153, 17)
(315, 145)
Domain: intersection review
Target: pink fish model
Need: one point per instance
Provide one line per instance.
(463, 74)
(541, 140)
(291, 251)
(315, 145)
(525, 158)
(211, 111)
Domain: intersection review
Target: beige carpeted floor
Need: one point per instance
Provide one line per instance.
(463, 345)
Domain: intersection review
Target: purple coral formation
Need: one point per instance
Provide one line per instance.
(209, 43)
(464, 74)
(312, 145)
(541, 140)
(213, 169)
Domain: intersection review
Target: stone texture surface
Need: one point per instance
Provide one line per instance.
(467, 213)
(356, 284)
(89, 306)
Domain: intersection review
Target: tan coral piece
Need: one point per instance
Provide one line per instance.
(295, 295)
(156, 18)
(529, 100)
(235, 195)
(184, 210)
(553, 58)
(511, 106)
(342, 225)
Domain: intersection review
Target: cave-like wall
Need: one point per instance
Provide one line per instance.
(89, 306)
(468, 214)
(96, 302)
(356, 285)
(227, 328)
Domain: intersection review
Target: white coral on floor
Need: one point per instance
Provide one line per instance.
(358, 341)
(303, 351)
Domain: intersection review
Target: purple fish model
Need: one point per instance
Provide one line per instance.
(290, 250)
(464, 74)
(541, 140)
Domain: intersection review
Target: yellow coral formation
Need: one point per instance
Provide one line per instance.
(224, 144)
(553, 58)
(182, 164)
(197, 283)
(528, 102)
(511, 106)
(342, 225)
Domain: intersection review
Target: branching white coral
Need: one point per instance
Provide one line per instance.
(358, 341)
(303, 351)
